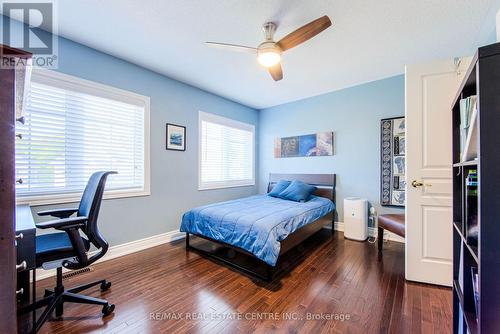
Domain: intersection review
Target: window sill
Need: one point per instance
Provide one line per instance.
(213, 187)
(73, 198)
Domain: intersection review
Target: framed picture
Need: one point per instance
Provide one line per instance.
(392, 162)
(176, 137)
(311, 145)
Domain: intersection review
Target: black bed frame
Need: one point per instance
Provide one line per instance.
(326, 184)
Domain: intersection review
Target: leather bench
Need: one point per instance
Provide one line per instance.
(394, 223)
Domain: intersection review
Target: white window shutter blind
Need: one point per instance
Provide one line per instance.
(72, 130)
(226, 152)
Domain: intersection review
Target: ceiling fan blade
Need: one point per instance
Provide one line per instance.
(276, 72)
(304, 33)
(231, 47)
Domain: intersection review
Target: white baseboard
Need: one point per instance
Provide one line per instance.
(124, 249)
(372, 232)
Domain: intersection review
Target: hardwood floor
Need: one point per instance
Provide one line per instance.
(343, 284)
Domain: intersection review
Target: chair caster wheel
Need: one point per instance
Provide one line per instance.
(105, 285)
(108, 309)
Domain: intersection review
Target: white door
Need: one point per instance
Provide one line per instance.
(430, 89)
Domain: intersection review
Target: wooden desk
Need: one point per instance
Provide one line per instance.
(26, 251)
(25, 242)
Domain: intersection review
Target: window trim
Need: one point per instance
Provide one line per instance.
(66, 81)
(204, 116)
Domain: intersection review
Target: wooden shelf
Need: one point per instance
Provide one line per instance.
(481, 80)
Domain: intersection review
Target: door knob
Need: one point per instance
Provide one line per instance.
(416, 184)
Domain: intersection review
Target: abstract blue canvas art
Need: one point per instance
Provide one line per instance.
(307, 145)
(311, 145)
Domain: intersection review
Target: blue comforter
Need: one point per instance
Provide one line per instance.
(256, 224)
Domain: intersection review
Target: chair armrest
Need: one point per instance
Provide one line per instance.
(59, 213)
(64, 224)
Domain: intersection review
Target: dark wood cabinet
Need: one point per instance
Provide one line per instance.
(10, 91)
(476, 197)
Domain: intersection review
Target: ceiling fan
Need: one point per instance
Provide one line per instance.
(269, 52)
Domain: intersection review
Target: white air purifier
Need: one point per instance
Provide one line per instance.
(356, 218)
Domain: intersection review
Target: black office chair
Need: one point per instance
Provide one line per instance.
(70, 250)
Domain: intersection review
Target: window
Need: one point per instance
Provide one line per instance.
(226, 152)
(75, 127)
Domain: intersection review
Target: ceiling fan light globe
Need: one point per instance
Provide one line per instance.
(268, 58)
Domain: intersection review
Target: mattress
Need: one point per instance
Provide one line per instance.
(256, 224)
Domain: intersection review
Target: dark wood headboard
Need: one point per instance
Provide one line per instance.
(326, 183)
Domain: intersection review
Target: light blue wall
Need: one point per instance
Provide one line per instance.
(354, 115)
(174, 175)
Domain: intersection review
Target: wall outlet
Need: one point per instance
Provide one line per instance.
(372, 211)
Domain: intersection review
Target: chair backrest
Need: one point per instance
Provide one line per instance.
(90, 205)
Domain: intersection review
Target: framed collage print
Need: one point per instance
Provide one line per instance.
(311, 145)
(392, 162)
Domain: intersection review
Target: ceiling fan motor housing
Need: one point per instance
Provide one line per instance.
(269, 29)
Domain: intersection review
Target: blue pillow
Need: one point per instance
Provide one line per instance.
(297, 191)
(279, 187)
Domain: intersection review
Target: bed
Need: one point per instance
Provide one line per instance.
(262, 226)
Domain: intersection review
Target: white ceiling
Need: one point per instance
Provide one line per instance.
(369, 40)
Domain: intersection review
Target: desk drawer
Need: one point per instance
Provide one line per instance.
(26, 250)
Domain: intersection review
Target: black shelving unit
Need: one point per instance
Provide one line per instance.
(476, 209)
